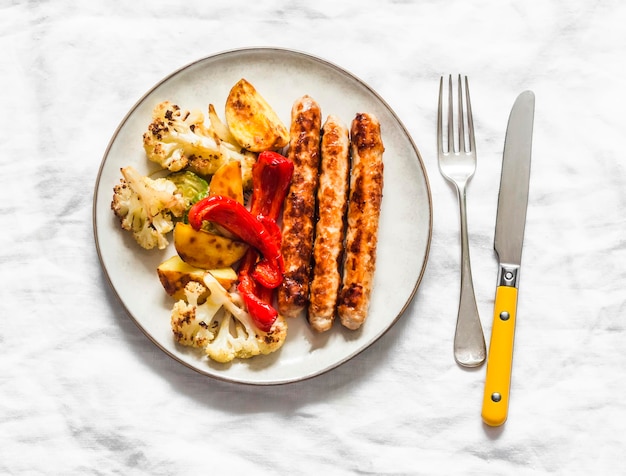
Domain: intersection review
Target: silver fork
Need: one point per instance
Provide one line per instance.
(458, 165)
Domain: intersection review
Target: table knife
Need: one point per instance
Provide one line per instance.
(509, 237)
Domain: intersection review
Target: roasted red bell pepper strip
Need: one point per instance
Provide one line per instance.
(235, 218)
(257, 298)
(262, 312)
(271, 176)
(264, 271)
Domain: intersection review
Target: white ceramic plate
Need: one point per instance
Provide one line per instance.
(281, 76)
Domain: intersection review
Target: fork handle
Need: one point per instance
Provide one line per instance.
(469, 340)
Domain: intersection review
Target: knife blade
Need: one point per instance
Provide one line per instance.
(509, 237)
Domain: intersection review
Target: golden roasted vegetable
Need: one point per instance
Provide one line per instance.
(225, 276)
(174, 275)
(252, 121)
(219, 127)
(206, 250)
(227, 181)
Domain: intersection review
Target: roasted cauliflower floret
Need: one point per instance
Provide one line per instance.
(146, 206)
(190, 324)
(216, 321)
(175, 136)
(177, 139)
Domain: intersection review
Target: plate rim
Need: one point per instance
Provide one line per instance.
(338, 69)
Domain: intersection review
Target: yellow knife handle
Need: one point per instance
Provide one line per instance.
(500, 358)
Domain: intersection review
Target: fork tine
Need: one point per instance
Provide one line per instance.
(461, 119)
(450, 117)
(440, 119)
(470, 120)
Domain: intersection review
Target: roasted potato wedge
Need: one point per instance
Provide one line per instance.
(206, 250)
(226, 276)
(252, 121)
(174, 275)
(227, 181)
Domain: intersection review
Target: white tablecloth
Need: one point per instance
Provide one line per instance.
(84, 391)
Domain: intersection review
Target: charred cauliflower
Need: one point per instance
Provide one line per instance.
(146, 206)
(177, 139)
(216, 321)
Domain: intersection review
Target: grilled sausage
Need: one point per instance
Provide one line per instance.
(332, 198)
(366, 190)
(299, 209)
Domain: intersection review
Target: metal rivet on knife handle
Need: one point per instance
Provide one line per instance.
(504, 316)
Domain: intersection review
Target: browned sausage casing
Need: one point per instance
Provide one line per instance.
(366, 191)
(299, 209)
(332, 198)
